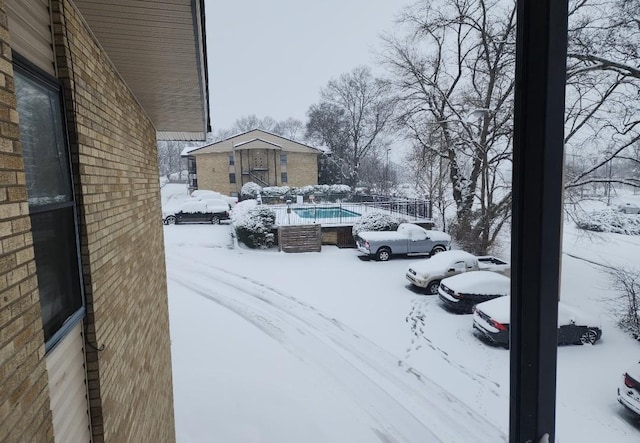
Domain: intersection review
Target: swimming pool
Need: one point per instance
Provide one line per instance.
(325, 212)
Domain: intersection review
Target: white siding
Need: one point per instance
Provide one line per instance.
(30, 31)
(68, 389)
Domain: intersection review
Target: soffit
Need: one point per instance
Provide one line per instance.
(159, 48)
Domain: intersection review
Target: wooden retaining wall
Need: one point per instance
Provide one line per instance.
(300, 238)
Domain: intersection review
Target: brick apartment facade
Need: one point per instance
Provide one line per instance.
(122, 323)
(254, 156)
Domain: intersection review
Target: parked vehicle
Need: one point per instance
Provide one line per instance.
(629, 208)
(408, 239)
(462, 292)
(196, 212)
(491, 320)
(629, 391)
(428, 274)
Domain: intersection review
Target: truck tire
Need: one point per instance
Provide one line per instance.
(383, 254)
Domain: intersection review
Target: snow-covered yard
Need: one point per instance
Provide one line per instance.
(325, 347)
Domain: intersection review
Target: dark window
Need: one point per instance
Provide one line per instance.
(191, 165)
(51, 202)
(232, 177)
(231, 160)
(283, 177)
(283, 159)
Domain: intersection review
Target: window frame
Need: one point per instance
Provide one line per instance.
(284, 177)
(25, 68)
(232, 177)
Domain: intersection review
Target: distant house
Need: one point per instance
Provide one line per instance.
(254, 156)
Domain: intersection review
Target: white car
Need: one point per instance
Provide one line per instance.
(427, 274)
(462, 292)
(629, 390)
(629, 208)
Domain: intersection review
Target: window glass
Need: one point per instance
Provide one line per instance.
(232, 178)
(56, 267)
(283, 177)
(231, 160)
(51, 203)
(283, 159)
(43, 144)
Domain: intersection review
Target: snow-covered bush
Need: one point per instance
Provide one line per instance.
(275, 191)
(304, 190)
(250, 190)
(609, 220)
(375, 221)
(339, 189)
(253, 224)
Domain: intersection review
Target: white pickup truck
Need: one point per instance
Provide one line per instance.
(408, 239)
(428, 273)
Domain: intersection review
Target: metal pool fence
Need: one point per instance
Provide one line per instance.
(348, 213)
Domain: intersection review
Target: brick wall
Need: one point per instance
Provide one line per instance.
(213, 170)
(213, 173)
(116, 177)
(24, 396)
(302, 169)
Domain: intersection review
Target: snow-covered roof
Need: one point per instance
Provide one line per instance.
(229, 143)
(257, 139)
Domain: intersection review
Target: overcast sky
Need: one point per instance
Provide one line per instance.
(272, 57)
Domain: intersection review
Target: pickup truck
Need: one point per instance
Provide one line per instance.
(428, 274)
(408, 239)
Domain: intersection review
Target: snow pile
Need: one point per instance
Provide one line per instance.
(253, 224)
(609, 220)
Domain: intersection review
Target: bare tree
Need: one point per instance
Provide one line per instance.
(603, 87)
(290, 128)
(363, 109)
(169, 159)
(453, 70)
(627, 284)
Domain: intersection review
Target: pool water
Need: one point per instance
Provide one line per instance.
(324, 213)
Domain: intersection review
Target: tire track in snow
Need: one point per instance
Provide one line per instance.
(404, 408)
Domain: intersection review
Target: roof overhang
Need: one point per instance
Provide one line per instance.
(159, 49)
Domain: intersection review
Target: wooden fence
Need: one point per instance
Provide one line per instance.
(300, 238)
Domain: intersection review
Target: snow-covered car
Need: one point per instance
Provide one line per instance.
(196, 212)
(462, 292)
(428, 274)
(629, 208)
(205, 195)
(491, 320)
(629, 390)
(409, 239)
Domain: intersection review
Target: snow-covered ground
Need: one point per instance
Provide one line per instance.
(325, 347)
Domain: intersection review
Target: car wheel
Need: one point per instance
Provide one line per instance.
(215, 220)
(383, 254)
(432, 288)
(590, 336)
(170, 220)
(437, 249)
